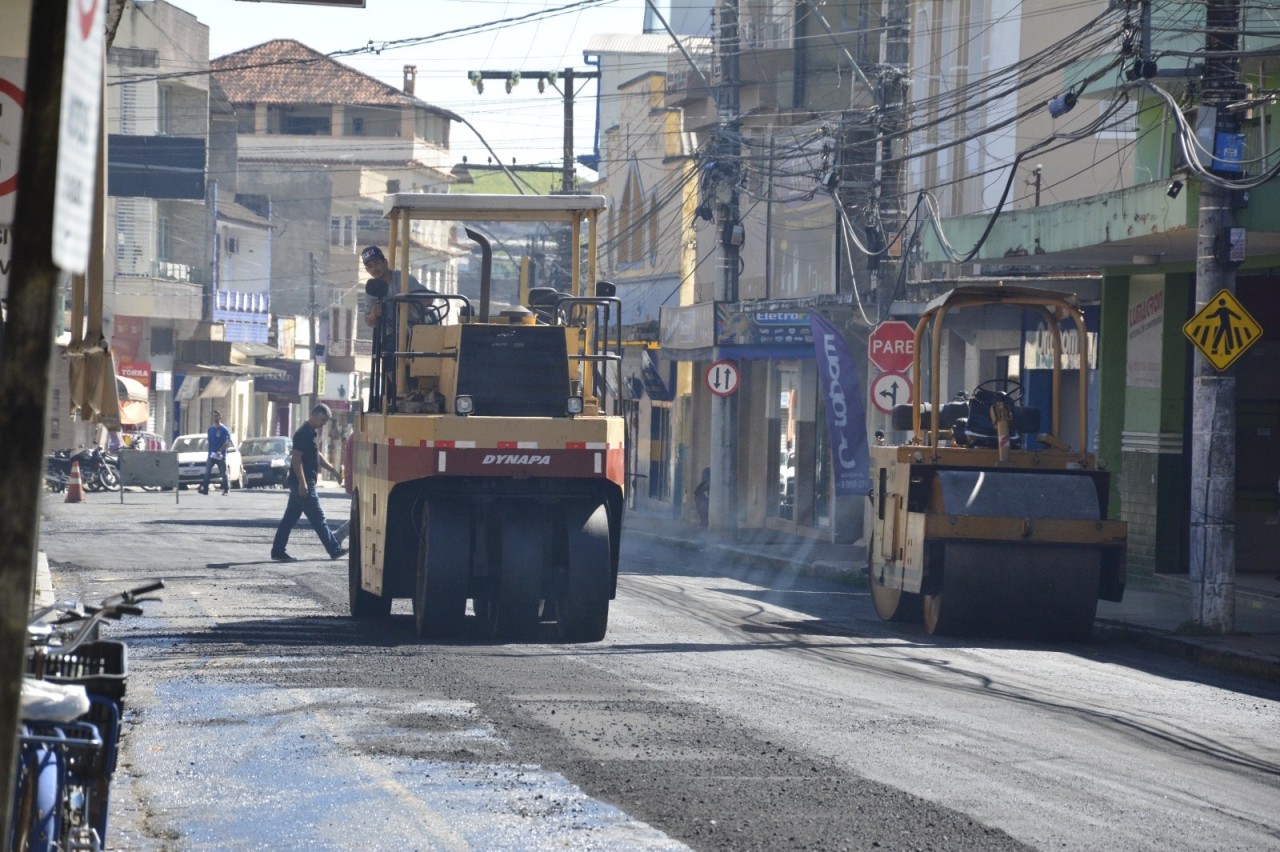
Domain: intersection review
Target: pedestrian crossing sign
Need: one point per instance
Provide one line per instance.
(1222, 330)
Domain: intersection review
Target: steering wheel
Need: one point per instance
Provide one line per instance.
(1011, 388)
(430, 312)
(435, 312)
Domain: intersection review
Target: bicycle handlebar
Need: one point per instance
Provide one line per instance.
(113, 607)
(150, 587)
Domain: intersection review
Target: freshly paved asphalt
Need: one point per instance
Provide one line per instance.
(1155, 612)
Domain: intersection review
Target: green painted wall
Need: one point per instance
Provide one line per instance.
(1142, 336)
(1111, 391)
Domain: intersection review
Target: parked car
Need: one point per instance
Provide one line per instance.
(266, 461)
(193, 452)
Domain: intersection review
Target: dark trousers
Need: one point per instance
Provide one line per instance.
(299, 506)
(208, 471)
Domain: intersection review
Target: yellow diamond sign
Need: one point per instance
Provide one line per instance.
(1222, 330)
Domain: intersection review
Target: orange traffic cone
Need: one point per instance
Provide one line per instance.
(74, 494)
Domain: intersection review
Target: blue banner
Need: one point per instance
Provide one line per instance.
(846, 410)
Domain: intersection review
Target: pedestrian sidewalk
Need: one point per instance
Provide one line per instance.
(44, 583)
(1155, 612)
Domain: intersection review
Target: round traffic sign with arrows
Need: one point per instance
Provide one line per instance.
(722, 378)
(890, 389)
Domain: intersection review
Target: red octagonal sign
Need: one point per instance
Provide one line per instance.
(892, 346)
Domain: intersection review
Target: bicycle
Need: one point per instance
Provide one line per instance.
(72, 703)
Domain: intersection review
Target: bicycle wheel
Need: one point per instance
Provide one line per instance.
(36, 821)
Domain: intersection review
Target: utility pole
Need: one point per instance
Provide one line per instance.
(892, 96)
(545, 78)
(567, 182)
(1213, 432)
(24, 369)
(723, 509)
(313, 322)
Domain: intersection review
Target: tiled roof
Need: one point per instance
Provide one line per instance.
(285, 71)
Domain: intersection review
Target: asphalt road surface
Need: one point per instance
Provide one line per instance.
(727, 708)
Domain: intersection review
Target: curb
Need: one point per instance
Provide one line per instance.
(1189, 648)
(44, 594)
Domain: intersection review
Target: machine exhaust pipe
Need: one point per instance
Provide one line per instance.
(486, 272)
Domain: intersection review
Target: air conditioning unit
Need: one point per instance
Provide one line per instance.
(233, 245)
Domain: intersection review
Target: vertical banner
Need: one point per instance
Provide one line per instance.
(846, 411)
(79, 130)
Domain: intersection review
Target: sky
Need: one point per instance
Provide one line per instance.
(525, 126)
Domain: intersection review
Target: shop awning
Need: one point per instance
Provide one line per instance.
(133, 401)
(218, 387)
(235, 371)
(130, 390)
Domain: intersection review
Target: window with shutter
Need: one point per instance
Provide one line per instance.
(134, 236)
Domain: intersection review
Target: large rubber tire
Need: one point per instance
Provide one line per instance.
(363, 604)
(512, 609)
(109, 478)
(444, 555)
(583, 599)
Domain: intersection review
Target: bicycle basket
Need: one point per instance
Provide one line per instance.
(100, 667)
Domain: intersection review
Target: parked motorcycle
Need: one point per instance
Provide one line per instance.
(99, 471)
(55, 474)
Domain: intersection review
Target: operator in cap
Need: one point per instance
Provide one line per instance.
(375, 263)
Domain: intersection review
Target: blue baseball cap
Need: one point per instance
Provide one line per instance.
(372, 253)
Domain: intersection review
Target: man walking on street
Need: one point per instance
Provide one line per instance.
(303, 499)
(219, 442)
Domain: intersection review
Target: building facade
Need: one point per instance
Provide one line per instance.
(323, 143)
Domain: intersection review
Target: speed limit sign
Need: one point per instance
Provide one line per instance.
(722, 378)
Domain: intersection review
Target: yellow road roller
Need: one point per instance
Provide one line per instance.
(487, 465)
(982, 523)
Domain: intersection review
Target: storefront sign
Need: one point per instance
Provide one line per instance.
(139, 371)
(752, 328)
(1143, 355)
(296, 381)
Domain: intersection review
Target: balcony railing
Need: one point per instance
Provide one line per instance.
(345, 347)
(684, 80)
(170, 271)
